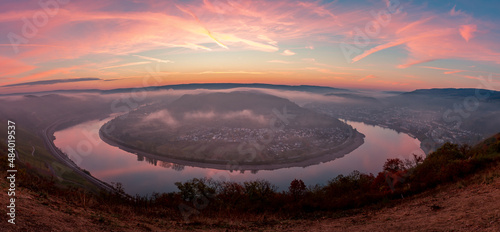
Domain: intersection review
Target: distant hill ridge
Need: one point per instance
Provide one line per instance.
(239, 101)
(234, 101)
(194, 86)
(452, 92)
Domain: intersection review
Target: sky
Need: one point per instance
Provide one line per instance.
(374, 44)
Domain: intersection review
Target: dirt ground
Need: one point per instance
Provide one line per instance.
(455, 207)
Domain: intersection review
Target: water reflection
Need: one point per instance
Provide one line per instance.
(163, 164)
(176, 167)
(143, 175)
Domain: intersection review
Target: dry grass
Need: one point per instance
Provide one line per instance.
(469, 205)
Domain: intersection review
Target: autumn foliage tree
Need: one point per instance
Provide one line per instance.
(297, 188)
(394, 165)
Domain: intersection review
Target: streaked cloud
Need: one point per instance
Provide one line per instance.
(231, 72)
(127, 64)
(153, 59)
(279, 61)
(44, 74)
(327, 71)
(9, 66)
(367, 77)
(415, 62)
(377, 48)
(454, 71)
(446, 70)
(208, 33)
(188, 45)
(51, 82)
(413, 24)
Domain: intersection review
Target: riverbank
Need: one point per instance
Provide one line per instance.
(48, 138)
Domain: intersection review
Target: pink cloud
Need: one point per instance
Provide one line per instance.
(228, 24)
(467, 31)
(320, 10)
(454, 71)
(367, 77)
(414, 62)
(447, 70)
(81, 30)
(43, 74)
(414, 24)
(392, 83)
(206, 30)
(378, 48)
(288, 53)
(279, 61)
(11, 67)
(434, 36)
(454, 12)
(127, 64)
(327, 71)
(425, 36)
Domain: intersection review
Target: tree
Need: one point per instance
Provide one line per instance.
(394, 165)
(118, 186)
(196, 188)
(260, 190)
(297, 188)
(231, 194)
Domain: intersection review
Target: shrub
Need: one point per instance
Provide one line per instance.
(195, 188)
(297, 188)
(231, 194)
(394, 165)
(259, 194)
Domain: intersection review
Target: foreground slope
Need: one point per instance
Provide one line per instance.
(468, 205)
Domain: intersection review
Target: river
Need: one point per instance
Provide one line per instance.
(143, 176)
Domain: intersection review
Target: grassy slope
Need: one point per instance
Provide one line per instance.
(42, 162)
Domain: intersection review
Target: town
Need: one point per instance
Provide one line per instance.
(426, 126)
(281, 141)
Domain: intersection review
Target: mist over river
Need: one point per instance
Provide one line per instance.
(140, 175)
